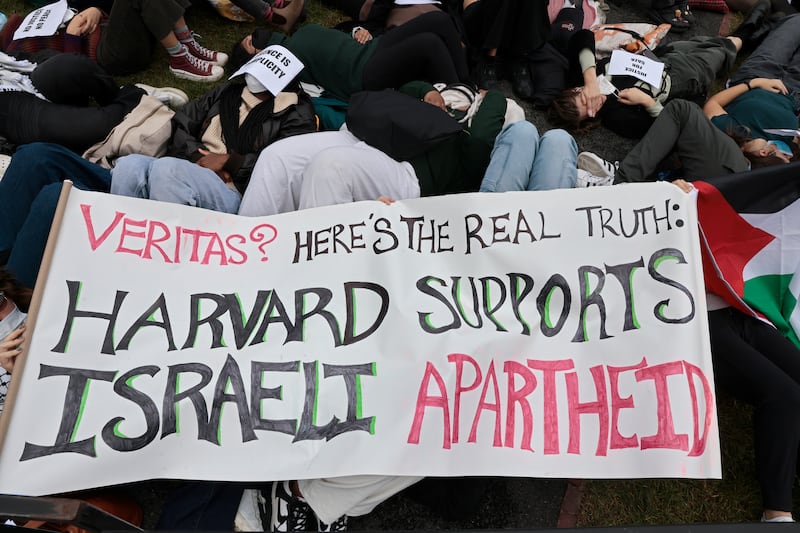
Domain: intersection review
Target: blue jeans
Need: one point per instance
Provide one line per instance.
(28, 197)
(522, 161)
(169, 179)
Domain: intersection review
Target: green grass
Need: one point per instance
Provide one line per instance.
(735, 498)
(215, 33)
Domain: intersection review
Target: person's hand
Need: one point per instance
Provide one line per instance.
(435, 98)
(362, 35)
(215, 162)
(635, 96)
(773, 86)
(386, 200)
(592, 98)
(85, 22)
(683, 185)
(10, 348)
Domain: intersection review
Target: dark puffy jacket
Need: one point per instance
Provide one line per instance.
(189, 124)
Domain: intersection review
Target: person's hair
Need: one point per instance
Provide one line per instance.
(15, 292)
(238, 57)
(564, 114)
(742, 136)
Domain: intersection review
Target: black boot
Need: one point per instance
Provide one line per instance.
(487, 73)
(755, 26)
(521, 80)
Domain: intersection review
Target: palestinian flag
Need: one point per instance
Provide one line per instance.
(750, 228)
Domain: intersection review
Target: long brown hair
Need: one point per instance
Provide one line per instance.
(742, 136)
(14, 291)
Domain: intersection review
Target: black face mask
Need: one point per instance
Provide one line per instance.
(261, 37)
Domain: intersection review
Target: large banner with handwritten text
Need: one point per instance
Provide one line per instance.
(551, 334)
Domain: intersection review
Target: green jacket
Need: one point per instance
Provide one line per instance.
(332, 59)
(458, 164)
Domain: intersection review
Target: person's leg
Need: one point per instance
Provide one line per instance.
(437, 23)
(758, 365)
(25, 212)
(555, 166)
(173, 180)
(331, 498)
(777, 57)
(128, 40)
(24, 118)
(696, 63)
(73, 79)
(704, 150)
(278, 174)
(512, 159)
(345, 174)
(420, 57)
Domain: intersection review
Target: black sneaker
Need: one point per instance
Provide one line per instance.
(288, 513)
(337, 525)
(521, 81)
(687, 13)
(487, 74)
(756, 25)
(672, 16)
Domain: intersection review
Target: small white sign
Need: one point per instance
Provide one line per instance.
(275, 66)
(640, 67)
(43, 21)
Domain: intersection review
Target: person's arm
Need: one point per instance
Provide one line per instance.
(85, 22)
(715, 105)
(583, 65)
(10, 348)
(187, 126)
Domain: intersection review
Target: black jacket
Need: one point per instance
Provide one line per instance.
(189, 124)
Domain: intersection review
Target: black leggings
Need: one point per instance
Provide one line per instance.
(758, 365)
(69, 81)
(513, 26)
(427, 48)
(128, 39)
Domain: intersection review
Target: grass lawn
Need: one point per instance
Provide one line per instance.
(735, 498)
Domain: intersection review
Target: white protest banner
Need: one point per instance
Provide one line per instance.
(549, 334)
(640, 67)
(43, 21)
(275, 67)
(415, 2)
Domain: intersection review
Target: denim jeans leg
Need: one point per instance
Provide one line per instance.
(512, 158)
(130, 176)
(26, 258)
(179, 181)
(33, 167)
(557, 162)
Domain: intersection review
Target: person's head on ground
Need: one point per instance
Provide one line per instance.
(568, 111)
(251, 44)
(763, 153)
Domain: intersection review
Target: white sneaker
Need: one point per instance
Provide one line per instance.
(587, 179)
(248, 515)
(777, 519)
(5, 160)
(170, 96)
(596, 165)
